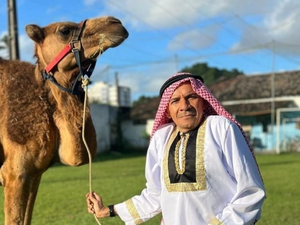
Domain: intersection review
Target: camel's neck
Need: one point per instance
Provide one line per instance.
(68, 117)
(69, 106)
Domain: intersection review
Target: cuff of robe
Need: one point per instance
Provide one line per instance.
(125, 214)
(215, 221)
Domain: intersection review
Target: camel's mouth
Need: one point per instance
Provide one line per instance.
(95, 55)
(116, 40)
(87, 62)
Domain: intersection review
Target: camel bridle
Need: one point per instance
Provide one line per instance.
(47, 74)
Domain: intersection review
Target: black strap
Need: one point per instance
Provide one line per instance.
(177, 78)
(51, 78)
(78, 32)
(76, 83)
(111, 211)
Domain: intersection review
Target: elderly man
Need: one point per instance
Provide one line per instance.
(199, 168)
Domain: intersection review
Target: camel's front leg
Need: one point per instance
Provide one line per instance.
(19, 201)
(31, 199)
(16, 193)
(20, 182)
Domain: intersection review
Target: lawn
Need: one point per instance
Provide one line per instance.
(61, 197)
(281, 174)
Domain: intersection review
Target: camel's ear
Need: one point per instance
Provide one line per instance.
(35, 33)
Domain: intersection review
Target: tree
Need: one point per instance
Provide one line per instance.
(211, 74)
(4, 44)
(142, 100)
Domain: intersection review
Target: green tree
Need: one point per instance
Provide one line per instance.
(4, 43)
(211, 74)
(142, 100)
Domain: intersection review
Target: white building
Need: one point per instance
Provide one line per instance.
(113, 95)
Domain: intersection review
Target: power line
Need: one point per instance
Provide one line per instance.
(203, 56)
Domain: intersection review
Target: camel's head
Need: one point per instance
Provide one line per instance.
(96, 36)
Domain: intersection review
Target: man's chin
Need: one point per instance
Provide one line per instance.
(187, 127)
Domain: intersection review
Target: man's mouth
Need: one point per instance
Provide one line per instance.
(186, 115)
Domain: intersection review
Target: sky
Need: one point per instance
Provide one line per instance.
(253, 36)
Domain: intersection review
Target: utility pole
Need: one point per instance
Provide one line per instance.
(273, 94)
(13, 43)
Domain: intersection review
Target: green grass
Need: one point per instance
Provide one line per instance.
(281, 174)
(61, 197)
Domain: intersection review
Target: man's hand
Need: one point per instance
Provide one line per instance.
(95, 205)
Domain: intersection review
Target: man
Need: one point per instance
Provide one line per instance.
(199, 168)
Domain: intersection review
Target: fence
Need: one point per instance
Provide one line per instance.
(288, 129)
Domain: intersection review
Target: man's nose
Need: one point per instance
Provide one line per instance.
(184, 104)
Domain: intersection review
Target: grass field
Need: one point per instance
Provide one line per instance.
(61, 197)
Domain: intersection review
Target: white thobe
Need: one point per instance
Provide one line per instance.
(228, 188)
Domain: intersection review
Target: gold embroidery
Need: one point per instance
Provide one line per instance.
(183, 138)
(215, 221)
(200, 183)
(133, 212)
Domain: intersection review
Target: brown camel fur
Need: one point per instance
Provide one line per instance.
(40, 123)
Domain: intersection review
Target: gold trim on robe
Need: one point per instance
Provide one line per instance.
(200, 183)
(215, 221)
(133, 212)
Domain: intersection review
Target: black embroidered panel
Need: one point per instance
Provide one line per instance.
(189, 175)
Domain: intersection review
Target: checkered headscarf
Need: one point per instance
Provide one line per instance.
(214, 107)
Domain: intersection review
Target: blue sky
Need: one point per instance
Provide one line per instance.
(252, 36)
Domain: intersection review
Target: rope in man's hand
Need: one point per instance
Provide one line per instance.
(85, 83)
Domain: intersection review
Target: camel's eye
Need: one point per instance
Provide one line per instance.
(64, 31)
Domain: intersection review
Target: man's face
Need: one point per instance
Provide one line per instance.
(185, 108)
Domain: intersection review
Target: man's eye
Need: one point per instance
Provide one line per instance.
(193, 96)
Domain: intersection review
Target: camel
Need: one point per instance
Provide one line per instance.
(42, 107)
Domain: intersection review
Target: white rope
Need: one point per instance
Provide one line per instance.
(85, 83)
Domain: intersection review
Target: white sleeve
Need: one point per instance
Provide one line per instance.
(245, 206)
(145, 206)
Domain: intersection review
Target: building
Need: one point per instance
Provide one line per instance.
(109, 104)
(113, 95)
(266, 105)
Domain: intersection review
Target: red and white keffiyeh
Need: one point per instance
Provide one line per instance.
(214, 107)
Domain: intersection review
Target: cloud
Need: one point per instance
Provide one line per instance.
(195, 38)
(254, 22)
(155, 14)
(278, 30)
(147, 82)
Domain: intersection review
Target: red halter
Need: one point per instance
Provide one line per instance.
(65, 51)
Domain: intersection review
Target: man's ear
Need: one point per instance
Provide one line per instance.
(168, 114)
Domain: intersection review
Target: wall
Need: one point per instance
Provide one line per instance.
(103, 116)
(135, 134)
(104, 119)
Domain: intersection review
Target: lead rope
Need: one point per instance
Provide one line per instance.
(85, 83)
